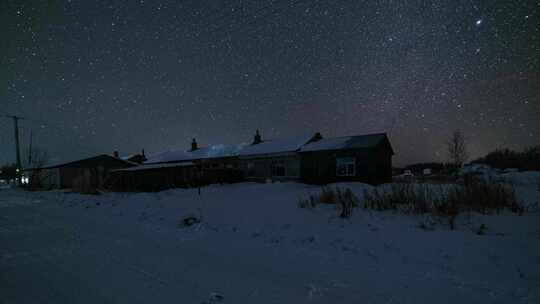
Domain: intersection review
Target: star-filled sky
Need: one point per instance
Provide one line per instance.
(96, 76)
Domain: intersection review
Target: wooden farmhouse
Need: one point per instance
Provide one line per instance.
(309, 159)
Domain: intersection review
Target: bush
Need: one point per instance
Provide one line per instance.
(327, 196)
(406, 197)
(474, 195)
(344, 199)
(309, 202)
(484, 196)
(347, 200)
(481, 230)
(189, 221)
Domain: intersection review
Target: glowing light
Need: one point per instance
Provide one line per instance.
(478, 22)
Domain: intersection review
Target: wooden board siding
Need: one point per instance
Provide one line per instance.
(373, 166)
(44, 179)
(271, 168)
(171, 177)
(153, 180)
(92, 171)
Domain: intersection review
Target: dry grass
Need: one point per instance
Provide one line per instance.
(474, 195)
(344, 199)
(405, 197)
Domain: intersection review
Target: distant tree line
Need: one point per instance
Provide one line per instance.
(8, 172)
(457, 156)
(37, 159)
(436, 167)
(526, 160)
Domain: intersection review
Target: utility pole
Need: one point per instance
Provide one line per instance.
(30, 151)
(17, 148)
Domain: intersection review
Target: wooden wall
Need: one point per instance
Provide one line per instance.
(92, 172)
(372, 166)
(266, 168)
(171, 177)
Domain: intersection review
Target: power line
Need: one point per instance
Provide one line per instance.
(61, 128)
(17, 148)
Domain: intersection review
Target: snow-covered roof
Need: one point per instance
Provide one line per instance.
(156, 166)
(127, 157)
(279, 146)
(345, 142)
(57, 163)
(215, 151)
(275, 146)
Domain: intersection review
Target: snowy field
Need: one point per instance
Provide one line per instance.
(254, 245)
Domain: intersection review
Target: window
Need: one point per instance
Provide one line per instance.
(293, 168)
(345, 166)
(251, 169)
(278, 168)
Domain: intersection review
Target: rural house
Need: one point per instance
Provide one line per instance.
(362, 158)
(81, 175)
(309, 159)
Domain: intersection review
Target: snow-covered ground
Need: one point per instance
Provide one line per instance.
(254, 245)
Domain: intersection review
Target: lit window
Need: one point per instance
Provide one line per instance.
(345, 166)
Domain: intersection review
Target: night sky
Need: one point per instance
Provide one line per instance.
(96, 76)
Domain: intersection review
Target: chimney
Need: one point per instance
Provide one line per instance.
(115, 154)
(316, 137)
(193, 145)
(257, 138)
(143, 156)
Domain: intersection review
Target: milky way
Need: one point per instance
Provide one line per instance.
(97, 76)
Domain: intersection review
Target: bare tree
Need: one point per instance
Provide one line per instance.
(37, 160)
(457, 149)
